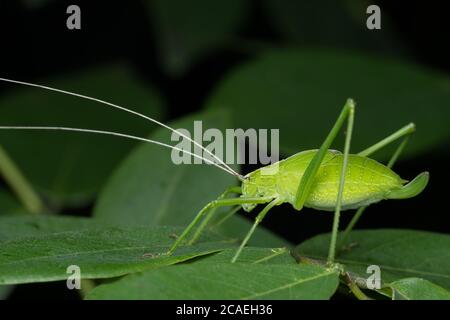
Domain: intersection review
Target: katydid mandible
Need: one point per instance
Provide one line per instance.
(323, 179)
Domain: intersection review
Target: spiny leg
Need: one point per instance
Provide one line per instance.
(337, 212)
(404, 133)
(206, 219)
(258, 220)
(215, 204)
(307, 180)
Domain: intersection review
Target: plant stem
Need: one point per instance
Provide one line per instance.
(357, 292)
(19, 184)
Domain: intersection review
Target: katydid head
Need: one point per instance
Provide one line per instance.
(256, 185)
(411, 189)
(249, 189)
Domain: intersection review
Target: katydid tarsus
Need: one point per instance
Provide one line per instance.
(322, 179)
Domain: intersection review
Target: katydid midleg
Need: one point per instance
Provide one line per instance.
(322, 179)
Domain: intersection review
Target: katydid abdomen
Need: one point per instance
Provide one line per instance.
(366, 181)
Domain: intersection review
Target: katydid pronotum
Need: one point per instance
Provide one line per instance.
(322, 179)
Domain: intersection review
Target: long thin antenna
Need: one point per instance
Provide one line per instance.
(122, 135)
(123, 109)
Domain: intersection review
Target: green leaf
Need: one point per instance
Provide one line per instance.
(149, 189)
(301, 92)
(17, 227)
(99, 252)
(9, 207)
(417, 289)
(187, 30)
(399, 254)
(69, 168)
(251, 255)
(224, 281)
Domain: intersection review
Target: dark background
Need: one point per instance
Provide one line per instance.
(34, 45)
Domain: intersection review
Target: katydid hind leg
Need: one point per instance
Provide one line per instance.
(198, 232)
(404, 133)
(337, 212)
(307, 179)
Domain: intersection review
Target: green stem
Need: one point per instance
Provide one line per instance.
(19, 184)
(357, 292)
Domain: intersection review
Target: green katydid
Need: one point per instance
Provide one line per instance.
(322, 179)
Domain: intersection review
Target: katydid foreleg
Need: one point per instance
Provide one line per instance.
(208, 217)
(258, 220)
(214, 204)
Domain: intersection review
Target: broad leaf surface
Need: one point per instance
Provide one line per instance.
(224, 281)
(251, 255)
(399, 254)
(99, 252)
(417, 289)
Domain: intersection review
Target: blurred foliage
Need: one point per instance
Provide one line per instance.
(155, 192)
(307, 23)
(302, 91)
(69, 168)
(187, 30)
